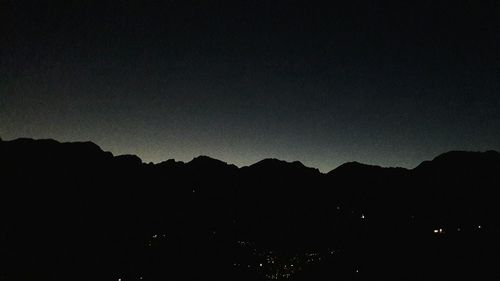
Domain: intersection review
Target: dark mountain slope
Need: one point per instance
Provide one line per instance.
(73, 211)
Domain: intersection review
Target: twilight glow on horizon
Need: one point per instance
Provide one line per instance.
(385, 85)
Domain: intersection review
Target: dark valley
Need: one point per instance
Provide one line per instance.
(70, 211)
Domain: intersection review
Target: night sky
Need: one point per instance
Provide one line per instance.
(386, 84)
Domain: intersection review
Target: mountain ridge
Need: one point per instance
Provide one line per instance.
(203, 159)
(208, 212)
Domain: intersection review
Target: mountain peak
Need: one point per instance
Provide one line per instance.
(273, 162)
(203, 159)
(356, 164)
(461, 163)
(274, 165)
(86, 145)
(353, 166)
(457, 158)
(129, 158)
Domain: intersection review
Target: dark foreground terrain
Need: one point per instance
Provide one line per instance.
(70, 211)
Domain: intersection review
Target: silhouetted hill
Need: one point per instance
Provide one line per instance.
(73, 211)
(205, 161)
(280, 166)
(461, 161)
(356, 168)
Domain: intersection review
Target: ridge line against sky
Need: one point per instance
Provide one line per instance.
(323, 171)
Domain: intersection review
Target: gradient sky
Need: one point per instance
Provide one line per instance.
(386, 84)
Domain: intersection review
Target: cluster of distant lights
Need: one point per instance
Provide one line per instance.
(458, 229)
(361, 216)
(156, 237)
(285, 271)
(274, 268)
(436, 231)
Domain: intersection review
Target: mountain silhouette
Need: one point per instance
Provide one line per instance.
(71, 211)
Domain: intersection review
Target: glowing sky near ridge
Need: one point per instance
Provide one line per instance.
(387, 85)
